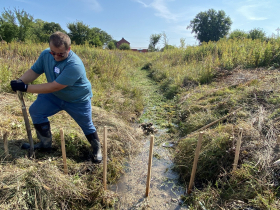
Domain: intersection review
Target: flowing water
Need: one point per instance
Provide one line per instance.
(165, 191)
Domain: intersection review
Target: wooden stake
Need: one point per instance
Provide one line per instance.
(198, 146)
(237, 149)
(5, 139)
(150, 165)
(105, 159)
(63, 151)
(27, 125)
(278, 139)
(212, 123)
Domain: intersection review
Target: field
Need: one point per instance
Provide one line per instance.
(200, 83)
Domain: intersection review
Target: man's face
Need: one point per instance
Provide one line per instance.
(59, 53)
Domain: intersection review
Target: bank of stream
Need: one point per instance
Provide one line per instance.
(165, 190)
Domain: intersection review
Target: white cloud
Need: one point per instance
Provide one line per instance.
(253, 11)
(92, 5)
(23, 1)
(161, 9)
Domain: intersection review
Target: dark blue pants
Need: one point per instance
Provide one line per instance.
(48, 104)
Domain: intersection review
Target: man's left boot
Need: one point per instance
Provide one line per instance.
(96, 147)
(44, 134)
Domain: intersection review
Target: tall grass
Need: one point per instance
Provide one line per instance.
(108, 71)
(201, 63)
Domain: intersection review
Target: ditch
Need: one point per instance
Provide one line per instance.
(165, 190)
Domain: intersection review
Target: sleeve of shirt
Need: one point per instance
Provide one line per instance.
(38, 66)
(70, 74)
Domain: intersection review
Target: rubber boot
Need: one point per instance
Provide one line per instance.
(43, 132)
(96, 147)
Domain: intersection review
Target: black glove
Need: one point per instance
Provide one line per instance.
(19, 85)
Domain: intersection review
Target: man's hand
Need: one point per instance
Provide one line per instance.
(19, 85)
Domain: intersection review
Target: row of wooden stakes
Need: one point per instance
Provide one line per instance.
(5, 139)
(197, 151)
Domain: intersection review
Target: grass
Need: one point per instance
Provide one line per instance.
(191, 87)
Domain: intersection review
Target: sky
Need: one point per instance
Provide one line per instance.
(137, 20)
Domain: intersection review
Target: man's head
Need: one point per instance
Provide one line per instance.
(60, 45)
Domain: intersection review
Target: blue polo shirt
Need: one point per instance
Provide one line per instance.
(70, 72)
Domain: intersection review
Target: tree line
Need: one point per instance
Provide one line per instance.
(208, 26)
(211, 25)
(18, 25)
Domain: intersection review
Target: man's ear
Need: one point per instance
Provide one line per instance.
(69, 48)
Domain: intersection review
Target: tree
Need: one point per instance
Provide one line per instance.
(111, 45)
(154, 39)
(50, 28)
(25, 22)
(167, 47)
(79, 32)
(257, 33)
(182, 42)
(21, 19)
(95, 41)
(124, 46)
(210, 25)
(104, 37)
(238, 34)
(42, 30)
(8, 31)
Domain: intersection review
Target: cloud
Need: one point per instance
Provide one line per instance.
(23, 1)
(161, 9)
(253, 11)
(92, 5)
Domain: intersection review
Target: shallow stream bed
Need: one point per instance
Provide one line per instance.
(165, 191)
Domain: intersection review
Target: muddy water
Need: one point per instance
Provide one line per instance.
(165, 191)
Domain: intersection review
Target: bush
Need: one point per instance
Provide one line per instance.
(124, 46)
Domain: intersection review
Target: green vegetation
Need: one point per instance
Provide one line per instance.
(154, 39)
(208, 82)
(198, 85)
(210, 25)
(18, 25)
(124, 46)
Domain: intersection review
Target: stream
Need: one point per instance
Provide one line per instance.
(165, 190)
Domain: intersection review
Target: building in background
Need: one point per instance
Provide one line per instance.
(125, 41)
(140, 50)
(122, 41)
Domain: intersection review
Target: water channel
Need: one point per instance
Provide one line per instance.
(165, 190)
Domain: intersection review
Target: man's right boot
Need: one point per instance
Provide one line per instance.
(96, 147)
(43, 132)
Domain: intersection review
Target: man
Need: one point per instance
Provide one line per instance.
(67, 89)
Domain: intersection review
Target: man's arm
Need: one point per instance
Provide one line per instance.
(45, 88)
(29, 76)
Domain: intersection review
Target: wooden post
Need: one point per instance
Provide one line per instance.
(5, 139)
(278, 139)
(237, 149)
(150, 166)
(63, 151)
(212, 123)
(198, 146)
(27, 124)
(105, 159)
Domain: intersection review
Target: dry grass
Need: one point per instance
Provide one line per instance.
(40, 183)
(255, 183)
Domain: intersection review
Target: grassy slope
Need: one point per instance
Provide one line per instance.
(40, 183)
(255, 182)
